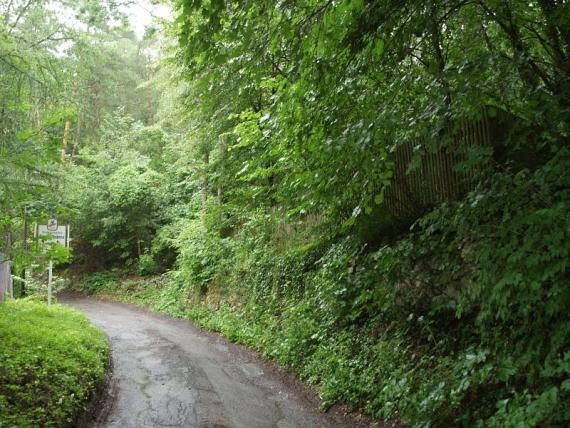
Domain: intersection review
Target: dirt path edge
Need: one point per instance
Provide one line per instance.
(101, 401)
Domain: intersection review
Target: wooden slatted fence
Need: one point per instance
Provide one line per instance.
(437, 178)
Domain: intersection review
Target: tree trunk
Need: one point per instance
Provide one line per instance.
(67, 127)
(65, 137)
(223, 148)
(24, 247)
(76, 138)
(205, 181)
(37, 120)
(5, 277)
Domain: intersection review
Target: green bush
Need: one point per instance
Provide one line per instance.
(147, 265)
(203, 256)
(50, 362)
(99, 281)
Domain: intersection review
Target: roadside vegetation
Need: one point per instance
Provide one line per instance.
(375, 194)
(51, 362)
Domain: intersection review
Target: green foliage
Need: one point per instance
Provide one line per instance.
(36, 284)
(147, 265)
(99, 282)
(262, 183)
(462, 322)
(58, 254)
(317, 94)
(201, 255)
(117, 195)
(60, 77)
(51, 361)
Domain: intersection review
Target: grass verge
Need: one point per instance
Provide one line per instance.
(50, 363)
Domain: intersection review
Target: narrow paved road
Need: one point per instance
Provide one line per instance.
(168, 373)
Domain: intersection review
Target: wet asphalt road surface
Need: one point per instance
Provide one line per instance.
(168, 373)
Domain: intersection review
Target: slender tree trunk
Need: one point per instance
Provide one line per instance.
(37, 120)
(97, 108)
(205, 181)
(438, 55)
(24, 247)
(76, 138)
(223, 148)
(65, 137)
(8, 243)
(67, 127)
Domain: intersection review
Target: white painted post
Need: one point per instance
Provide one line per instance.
(49, 283)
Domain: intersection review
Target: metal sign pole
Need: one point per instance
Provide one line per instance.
(49, 283)
(52, 233)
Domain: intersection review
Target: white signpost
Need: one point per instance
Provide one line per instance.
(48, 234)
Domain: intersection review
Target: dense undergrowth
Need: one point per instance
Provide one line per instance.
(50, 363)
(463, 321)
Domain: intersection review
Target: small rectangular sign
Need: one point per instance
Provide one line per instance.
(52, 232)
